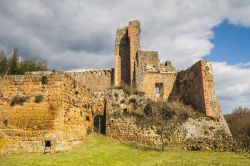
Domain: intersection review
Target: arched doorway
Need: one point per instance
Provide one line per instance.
(100, 124)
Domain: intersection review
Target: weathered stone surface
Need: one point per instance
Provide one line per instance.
(60, 107)
(59, 116)
(123, 123)
(94, 80)
(195, 86)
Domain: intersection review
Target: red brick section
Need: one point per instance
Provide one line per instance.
(117, 70)
(134, 37)
(210, 104)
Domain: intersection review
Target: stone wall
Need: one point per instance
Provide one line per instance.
(150, 81)
(25, 119)
(127, 44)
(150, 74)
(80, 107)
(124, 122)
(122, 57)
(29, 115)
(196, 87)
(45, 106)
(95, 80)
(122, 126)
(134, 31)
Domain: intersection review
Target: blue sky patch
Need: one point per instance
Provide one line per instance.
(231, 44)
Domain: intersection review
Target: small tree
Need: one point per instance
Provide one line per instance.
(15, 65)
(239, 125)
(3, 63)
(161, 117)
(13, 62)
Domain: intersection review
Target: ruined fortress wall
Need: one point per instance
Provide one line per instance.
(211, 104)
(134, 31)
(122, 57)
(29, 119)
(150, 80)
(95, 80)
(148, 58)
(121, 125)
(124, 122)
(60, 116)
(196, 87)
(28, 111)
(127, 44)
(149, 74)
(79, 108)
(126, 128)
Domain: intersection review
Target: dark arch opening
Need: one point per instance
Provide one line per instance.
(100, 124)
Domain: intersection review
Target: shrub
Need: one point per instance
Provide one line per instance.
(18, 100)
(166, 110)
(129, 90)
(38, 99)
(148, 109)
(44, 80)
(132, 101)
(122, 101)
(183, 116)
(169, 109)
(14, 64)
(139, 93)
(239, 126)
(125, 112)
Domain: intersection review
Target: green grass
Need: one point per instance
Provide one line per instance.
(98, 150)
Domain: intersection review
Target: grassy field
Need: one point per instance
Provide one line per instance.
(99, 150)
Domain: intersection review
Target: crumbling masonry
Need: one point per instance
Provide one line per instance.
(51, 111)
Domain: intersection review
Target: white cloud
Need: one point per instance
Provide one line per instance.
(232, 85)
(76, 33)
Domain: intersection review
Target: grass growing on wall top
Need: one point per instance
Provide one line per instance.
(98, 150)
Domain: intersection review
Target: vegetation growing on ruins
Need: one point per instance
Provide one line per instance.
(166, 117)
(38, 98)
(129, 90)
(99, 150)
(14, 64)
(239, 125)
(18, 100)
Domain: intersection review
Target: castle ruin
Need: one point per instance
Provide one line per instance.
(52, 111)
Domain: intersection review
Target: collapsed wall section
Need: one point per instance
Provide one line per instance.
(94, 80)
(196, 87)
(156, 80)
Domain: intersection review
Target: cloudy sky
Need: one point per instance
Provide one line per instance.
(72, 34)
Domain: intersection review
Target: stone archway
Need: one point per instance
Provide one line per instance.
(100, 124)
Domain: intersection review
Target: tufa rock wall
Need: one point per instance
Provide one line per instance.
(151, 76)
(95, 80)
(79, 107)
(29, 109)
(122, 126)
(44, 106)
(196, 87)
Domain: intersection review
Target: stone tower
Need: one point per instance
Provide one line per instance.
(127, 44)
